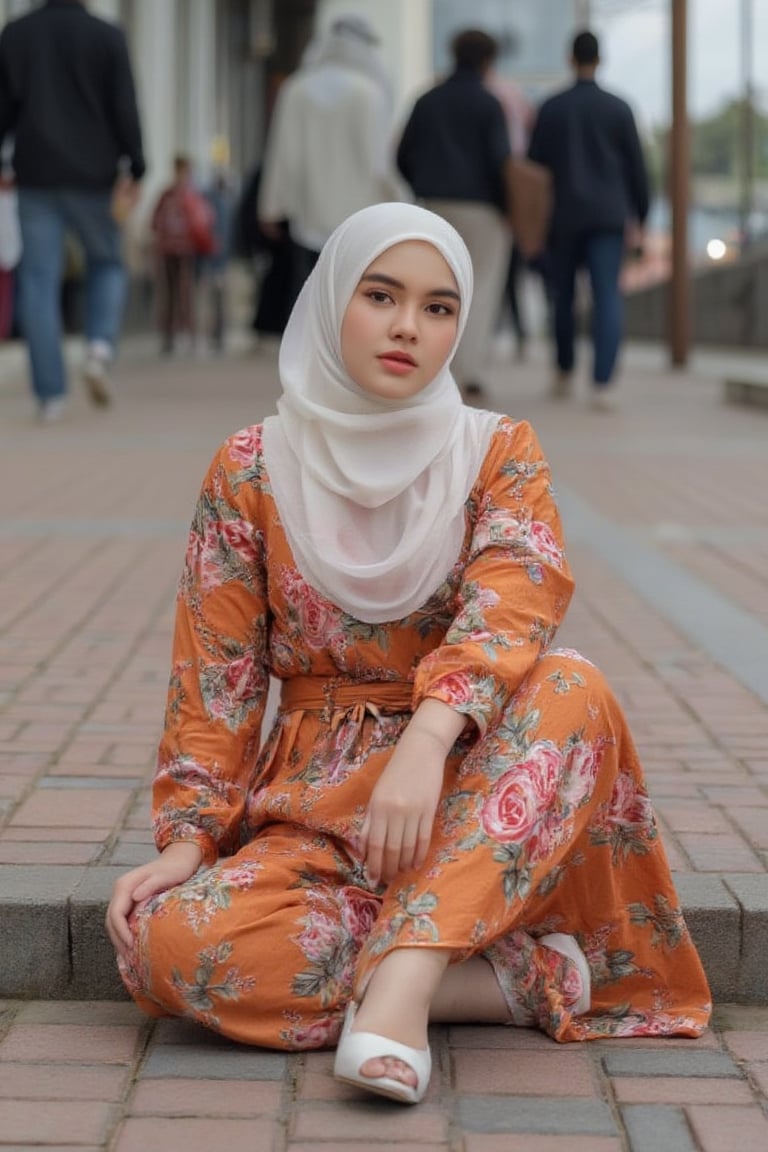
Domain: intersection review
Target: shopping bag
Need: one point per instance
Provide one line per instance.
(10, 231)
(531, 207)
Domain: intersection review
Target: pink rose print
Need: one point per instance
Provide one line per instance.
(245, 446)
(583, 764)
(358, 914)
(547, 836)
(318, 619)
(320, 1034)
(521, 795)
(210, 560)
(194, 550)
(242, 678)
(628, 806)
(239, 535)
(319, 937)
(242, 876)
(544, 543)
(457, 687)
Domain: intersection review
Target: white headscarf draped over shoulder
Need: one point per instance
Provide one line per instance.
(371, 491)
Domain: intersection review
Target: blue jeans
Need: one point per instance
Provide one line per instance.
(602, 253)
(45, 215)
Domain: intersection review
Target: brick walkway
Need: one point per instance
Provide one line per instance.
(667, 520)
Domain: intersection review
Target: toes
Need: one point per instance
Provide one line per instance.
(390, 1067)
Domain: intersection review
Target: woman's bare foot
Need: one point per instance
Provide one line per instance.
(396, 1006)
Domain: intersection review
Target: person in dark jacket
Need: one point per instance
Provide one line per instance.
(455, 154)
(67, 99)
(587, 137)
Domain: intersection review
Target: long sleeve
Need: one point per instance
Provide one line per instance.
(8, 100)
(515, 588)
(125, 110)
(281, 165)
(408, 145)
(637, 172)
(219, 679)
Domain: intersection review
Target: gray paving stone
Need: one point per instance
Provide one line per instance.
(202, 1062)
(90, 781)
(669, 1062)
(714, 919)
(34, 941)
(715, 624)
(535, 1114)
(131, 855)
(93, 974)
(177, 1031)
(751, 891)
(653, 1128)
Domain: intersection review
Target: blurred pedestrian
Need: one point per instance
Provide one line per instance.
(328, 146)
(183, 230)
(67, 97)
(271, 259)
(221, 197)
(519, 115)
(454, 152)
(588, 139)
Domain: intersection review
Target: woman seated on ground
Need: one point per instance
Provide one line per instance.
(447, 820)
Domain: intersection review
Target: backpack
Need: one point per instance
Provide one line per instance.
(183, 223)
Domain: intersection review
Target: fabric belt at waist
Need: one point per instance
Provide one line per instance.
(333, 694)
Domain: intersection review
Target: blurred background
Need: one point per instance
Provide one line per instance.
(208, 70)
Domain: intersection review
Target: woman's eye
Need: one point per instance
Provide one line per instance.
(439, 310)
(378, 296)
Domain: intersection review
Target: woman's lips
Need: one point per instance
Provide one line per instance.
(397, 362)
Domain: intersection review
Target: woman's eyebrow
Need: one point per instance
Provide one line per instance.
(391, 282)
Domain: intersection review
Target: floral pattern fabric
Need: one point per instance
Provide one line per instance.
(544, 824)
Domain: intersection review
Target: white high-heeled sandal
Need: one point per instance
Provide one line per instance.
(355, 1048)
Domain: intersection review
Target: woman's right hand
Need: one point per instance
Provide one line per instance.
(173, 866)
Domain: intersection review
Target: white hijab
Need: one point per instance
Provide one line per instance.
(371, 491)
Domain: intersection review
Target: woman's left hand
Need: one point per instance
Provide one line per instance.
(397, 829)
(398, 824)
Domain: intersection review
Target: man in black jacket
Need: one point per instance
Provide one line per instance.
(455, 153)
(588, 139)
(67, 100)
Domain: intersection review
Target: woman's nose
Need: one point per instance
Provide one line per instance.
(404, 323)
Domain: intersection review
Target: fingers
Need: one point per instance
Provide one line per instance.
(393, 845)
(118, 929)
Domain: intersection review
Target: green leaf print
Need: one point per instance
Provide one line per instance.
(563, 683)
(669, 927)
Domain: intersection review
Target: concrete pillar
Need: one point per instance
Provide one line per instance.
(200, 82)
(106, 9)
(155, 63)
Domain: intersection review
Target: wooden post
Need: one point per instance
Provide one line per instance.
(680, 287)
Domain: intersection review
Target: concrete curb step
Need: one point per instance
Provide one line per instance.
(753, 392)
(53, 944)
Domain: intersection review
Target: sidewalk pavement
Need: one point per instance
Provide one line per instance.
(667, 522)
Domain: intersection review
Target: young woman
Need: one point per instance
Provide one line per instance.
(447, 820)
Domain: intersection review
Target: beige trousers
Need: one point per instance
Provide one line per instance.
(485, 233)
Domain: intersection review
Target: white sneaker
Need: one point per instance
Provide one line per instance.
(561, 386)
(96, 380)
(603, 400)
(51, 411)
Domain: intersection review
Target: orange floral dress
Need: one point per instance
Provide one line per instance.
(544, 824)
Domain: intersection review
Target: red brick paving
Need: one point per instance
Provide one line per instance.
(85, 620)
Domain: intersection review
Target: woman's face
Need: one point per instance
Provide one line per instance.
(400, 325)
